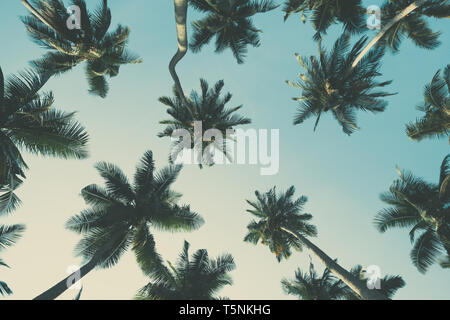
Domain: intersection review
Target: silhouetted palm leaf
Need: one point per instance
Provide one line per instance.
(436, 120)
(324, 13)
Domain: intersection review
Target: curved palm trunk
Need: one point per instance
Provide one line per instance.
(63, 285)
(340, 272)
(181, 7)
(37, 14)
(413, 6)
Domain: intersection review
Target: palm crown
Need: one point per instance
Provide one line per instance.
(324, 13)
(312, 286)
(274, 212)
(436, 120)
(121, 214)
(425, 208)
(388, 285)
(27, 122)
(209, 108)
(413, 26)
(331, 84)
(8, 236)
(191, 278)
(230, 21)
(103, 51)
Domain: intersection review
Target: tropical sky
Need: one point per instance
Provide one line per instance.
(342, 176)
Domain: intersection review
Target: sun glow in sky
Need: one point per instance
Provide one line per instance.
(342, 176)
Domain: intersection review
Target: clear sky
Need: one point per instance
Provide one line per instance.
(342, 176)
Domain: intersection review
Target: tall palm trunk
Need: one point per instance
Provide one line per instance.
(63, 285)
(181, 7)
(361, 289)
(413, 6)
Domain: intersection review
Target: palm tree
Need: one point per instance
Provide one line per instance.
(324, 13)
(407, 19)
(121, 215)
(104, 52)
(424, 208)
(191, 278)
(311, 286)
(436, 106)
(389, 285)
(281, 226)
(230, 22)
(181, 7)
(27, 122)
(8, 236)
(331, 84)
(207, 108)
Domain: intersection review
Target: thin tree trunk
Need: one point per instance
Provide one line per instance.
(362, 290)
(181, 7)
(63, 285)
(37, 14)
(413, 6)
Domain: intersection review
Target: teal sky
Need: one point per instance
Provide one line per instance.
(342, 176)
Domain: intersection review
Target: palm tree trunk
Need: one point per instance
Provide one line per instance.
(361, 289)
(413, 6)
(181, 7)
(63, 285)
(37, 14)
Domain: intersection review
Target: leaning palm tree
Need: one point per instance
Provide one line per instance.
(191, 278)
(208, 110)
(324, 13)
(424, 208)
(121, 215)
(311, 286)
(104, 52)
(388, 285)
(406, 19)
(230, 22)
(281, 226)
(27, 122)
(8, 236)
(332, 85)
(436, 106)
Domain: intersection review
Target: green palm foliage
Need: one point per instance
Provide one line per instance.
(104, 52)
(388, 285)
(230, 21)
(281, 226)
(8, 236)
(331, 84)
(436, 106)
(414, 26)
(274, 212)
(424, 208)
(324, 13)
(27, 122)
(120, 216)
(191, 278)
(209, 108)
(311, 286)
